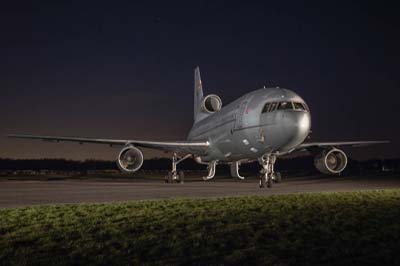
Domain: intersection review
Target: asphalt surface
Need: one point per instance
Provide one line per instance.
(27, 193)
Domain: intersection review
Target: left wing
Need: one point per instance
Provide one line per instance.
(185, 146)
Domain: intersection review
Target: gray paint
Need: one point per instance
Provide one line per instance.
(226, 130)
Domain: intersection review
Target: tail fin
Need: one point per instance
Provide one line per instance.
(198, 94)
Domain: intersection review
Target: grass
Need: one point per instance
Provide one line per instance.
(352, 228)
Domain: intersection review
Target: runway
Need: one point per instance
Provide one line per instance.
(27, 193)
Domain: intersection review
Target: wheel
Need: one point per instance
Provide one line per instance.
(262, 181)
(170, 179)
(269, 181)
(167, 178)
(181, 177)
(277, 178)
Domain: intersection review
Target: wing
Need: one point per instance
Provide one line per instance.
(311, 145)
(186, 146)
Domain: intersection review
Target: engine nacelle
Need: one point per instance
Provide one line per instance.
(211, 103)
(331, 161)
(130, 159)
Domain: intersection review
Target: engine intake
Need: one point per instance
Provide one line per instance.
(130, 159)
(211, 103)
(331, 161)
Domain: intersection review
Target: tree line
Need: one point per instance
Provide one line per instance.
(298, 164)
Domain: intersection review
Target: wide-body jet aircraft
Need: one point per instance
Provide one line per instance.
(261, 125)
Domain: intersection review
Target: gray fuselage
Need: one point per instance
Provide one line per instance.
(242, 131)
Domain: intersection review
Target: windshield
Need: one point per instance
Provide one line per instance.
(273, 106)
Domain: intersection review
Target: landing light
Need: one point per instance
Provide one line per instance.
(304, 122)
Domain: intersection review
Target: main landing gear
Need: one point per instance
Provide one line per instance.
(268, 175)
(175, 176)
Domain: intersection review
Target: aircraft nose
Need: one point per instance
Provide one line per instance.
(297, 127)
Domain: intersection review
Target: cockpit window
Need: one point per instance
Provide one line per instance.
(299, 106)
(266, 107)
(270, 107)
(285, 106)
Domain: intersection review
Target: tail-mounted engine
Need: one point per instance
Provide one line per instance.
(331, 161)
(130, 159)
(211, 103)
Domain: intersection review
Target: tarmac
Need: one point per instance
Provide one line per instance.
(28, 193)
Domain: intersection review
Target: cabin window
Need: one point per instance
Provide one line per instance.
(285, 106)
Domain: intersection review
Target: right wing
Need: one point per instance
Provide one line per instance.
(342, 143)
(310, 146)
(185, 146)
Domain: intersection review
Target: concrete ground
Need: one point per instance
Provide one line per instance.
(27, 193)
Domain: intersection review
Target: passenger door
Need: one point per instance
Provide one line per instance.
(241, 112)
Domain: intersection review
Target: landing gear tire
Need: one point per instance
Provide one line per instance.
(262, 182)
(265, 181)
(181, 176)
(175, 177)
(169, 178)
(277, 177)
(269, 181)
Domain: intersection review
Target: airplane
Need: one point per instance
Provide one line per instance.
(259, 126)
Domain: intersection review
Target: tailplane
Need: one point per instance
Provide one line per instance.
(203, 106)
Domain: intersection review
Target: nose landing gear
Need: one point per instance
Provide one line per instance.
(267, 172)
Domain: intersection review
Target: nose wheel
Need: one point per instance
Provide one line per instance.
(265, 181)
(267, 174)
(276, 177)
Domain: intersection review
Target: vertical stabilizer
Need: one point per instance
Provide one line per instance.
(198, 94)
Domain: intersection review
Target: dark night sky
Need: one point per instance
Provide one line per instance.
(125, 69)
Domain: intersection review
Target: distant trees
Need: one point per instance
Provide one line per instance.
(301, 165)
(55, 164)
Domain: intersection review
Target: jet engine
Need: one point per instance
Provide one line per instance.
(331, 161)
(130, 159)
(211, 103)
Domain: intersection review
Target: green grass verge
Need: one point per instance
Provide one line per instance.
(354, 228)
